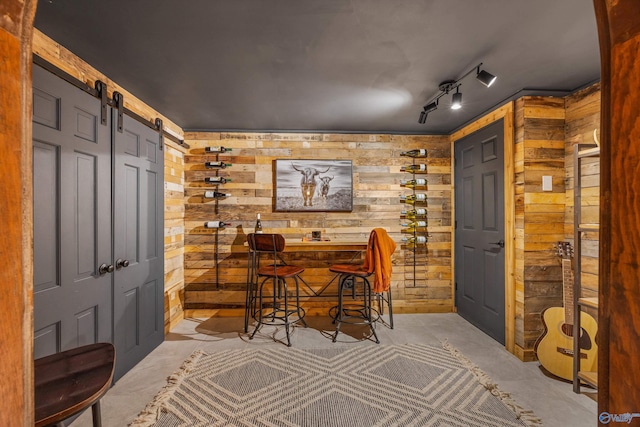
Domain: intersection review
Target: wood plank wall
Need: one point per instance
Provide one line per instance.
(173, 234)
(540, 216)
(582, 119)
(376, 176)
(62, 58)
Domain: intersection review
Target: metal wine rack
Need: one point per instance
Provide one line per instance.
(216, 211)
(422, 204)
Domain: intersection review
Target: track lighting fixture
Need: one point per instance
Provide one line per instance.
(485, 77)
(448, 86)
(456, 100)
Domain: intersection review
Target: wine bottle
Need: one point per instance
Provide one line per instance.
(413, 198)
(217, 149)
(217, 180)
(416, 240)
(415, 153)
(421, 168)
(215, 195)
(414, 225)
(216, 224)
(217, 165)
(258, 229)
(412, 183)
(414, 213)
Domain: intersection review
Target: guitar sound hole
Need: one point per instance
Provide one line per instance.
(585, 339)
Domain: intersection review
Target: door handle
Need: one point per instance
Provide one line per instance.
(104, 269)
(499, 243)
(122, 263)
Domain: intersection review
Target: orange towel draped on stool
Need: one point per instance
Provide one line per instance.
(378, 257)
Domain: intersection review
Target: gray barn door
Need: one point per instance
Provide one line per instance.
(72, 217)
(138, 249)
(98, 198)
(479, 241)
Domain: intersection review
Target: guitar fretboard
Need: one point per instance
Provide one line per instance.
(567, 290)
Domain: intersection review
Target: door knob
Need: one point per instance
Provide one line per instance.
(499, 243)
(104, 269)
(122, 263)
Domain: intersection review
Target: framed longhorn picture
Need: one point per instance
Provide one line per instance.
(313, 186)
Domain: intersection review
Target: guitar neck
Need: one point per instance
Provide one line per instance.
(567, 290)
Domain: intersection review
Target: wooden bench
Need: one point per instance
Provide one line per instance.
(69, 382)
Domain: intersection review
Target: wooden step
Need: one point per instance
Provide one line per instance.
(589, 302)
(589, 377)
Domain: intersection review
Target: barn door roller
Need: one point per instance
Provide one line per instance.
(160, 132)
(101, 87)
(119, 100)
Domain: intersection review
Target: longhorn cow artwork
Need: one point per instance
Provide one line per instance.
(308, 183)
(313, 185)
(324, 186)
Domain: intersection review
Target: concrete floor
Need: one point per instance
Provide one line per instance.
(552, 400)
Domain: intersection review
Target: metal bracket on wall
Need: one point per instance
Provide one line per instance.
(119, 100)
(101, 87)
(160, 132)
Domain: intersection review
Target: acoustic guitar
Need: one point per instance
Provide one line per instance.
(554, 348)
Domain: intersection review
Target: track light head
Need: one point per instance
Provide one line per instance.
(485, 77)
(430, 107)
(456, 101)
(426, 110)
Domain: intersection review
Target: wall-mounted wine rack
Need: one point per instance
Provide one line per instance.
(415, 219)
(216, 180)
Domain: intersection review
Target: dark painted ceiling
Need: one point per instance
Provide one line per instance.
(327, 65)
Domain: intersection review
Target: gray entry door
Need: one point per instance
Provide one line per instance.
(138, 243)
(479, 241)
(71, 217)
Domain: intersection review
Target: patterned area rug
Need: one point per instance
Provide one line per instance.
(408, 385)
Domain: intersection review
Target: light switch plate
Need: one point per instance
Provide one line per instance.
(547, 183)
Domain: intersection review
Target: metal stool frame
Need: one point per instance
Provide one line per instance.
(277, 273)
(355, 314)
(360, 314)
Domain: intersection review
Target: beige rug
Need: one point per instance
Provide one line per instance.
(408, 385)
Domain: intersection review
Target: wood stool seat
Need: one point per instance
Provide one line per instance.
(285, 271)
(351, 269)
(67, 383)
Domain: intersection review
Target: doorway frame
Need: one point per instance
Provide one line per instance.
(17, 30)
(16, 278)
(506, 113)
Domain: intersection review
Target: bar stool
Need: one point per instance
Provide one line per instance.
(67, 383)
(361, 311)
(281, 310)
